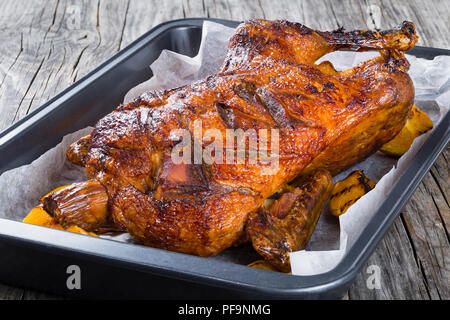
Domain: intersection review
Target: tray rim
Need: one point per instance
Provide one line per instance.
(237, 276)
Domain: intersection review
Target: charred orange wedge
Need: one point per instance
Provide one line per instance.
(346, 192)
(38, 216)
(418, 123)
(262, 264)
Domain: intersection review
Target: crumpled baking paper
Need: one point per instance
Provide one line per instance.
(21, 188)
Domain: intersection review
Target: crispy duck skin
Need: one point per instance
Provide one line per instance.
(286, 224)
(326, 119)
(82, 204)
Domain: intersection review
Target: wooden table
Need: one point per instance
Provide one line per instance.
(47, 45)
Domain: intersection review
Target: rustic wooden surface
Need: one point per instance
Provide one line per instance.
(47, 45)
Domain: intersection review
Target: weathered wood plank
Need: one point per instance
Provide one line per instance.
(400, 277)
(144, 15)
(65, 41)
(430, 240)
(49, 44)
(441, 174)
(426, 256)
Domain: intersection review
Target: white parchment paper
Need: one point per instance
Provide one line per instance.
(21, 188)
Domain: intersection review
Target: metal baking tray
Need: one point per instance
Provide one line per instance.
(32, 257)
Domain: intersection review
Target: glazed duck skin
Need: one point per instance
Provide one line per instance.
(286, 225)
(269, 80)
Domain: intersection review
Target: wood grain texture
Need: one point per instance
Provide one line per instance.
(47, 45)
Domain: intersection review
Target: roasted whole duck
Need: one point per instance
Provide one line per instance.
(326, 120)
